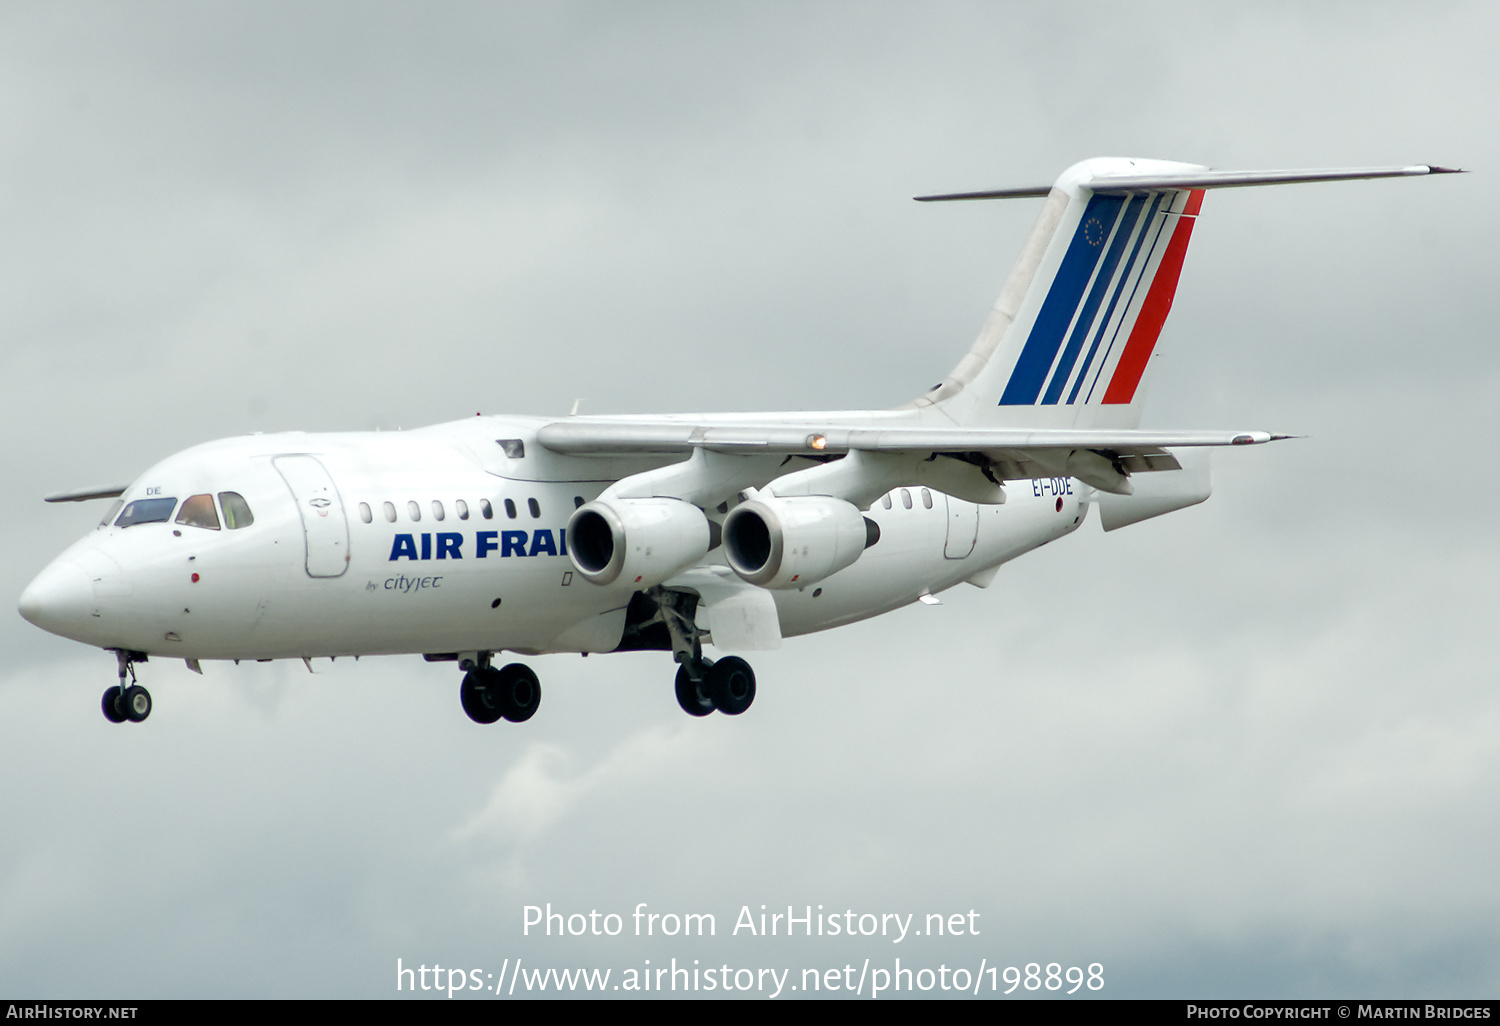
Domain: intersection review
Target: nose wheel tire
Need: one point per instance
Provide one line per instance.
(479, 699)
(731, 684)
(520, 691)
(114, 709)
(695, 701)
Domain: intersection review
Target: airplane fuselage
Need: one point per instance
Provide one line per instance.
(434, 541)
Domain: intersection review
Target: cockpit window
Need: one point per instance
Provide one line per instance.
(113, 509)
(198, 511)
(236, 510)
(147, 511)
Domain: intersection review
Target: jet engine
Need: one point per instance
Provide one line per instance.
(640, 541)
(788, 543)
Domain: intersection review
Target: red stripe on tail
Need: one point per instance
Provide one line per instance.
(1154, 310)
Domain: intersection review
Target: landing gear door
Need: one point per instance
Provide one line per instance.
(963, 528)
(323, 522)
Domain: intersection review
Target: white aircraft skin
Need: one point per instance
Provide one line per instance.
(597, 534)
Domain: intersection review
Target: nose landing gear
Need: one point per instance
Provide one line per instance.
(127, 702)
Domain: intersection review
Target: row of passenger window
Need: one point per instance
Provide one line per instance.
(460, 510)
(905, 493)
(196, 511)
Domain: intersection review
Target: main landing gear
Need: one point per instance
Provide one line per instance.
(703, 685)
(511, 692)
(127, 701)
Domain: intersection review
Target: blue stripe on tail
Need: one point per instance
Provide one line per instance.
(1131, 265)
(1057, 310)
(1085, 320)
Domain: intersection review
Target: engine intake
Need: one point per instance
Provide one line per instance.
(792, 542)
(641, 541)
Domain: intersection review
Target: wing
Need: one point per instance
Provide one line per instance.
(85, 494)
(1104, 458)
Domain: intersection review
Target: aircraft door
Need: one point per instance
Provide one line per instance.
(963, 528)
(324, 524)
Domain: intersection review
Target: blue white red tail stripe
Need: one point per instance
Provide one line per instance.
(1116, 247)
(1154, 309)
(1150, 229)
(1103, 279)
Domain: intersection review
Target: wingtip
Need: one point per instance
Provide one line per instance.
(1435, 169)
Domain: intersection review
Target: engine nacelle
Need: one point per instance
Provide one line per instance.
(641, 541)
(788, 543)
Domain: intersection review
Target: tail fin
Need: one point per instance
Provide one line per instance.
(1071, 337)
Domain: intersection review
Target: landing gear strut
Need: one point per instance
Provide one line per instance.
(511, 692)
(703, 685)
(127, 701)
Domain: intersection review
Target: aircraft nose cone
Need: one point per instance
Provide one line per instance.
(61, 597)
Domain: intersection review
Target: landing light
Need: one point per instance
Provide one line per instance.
(819, 442)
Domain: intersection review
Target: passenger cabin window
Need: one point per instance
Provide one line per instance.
(535, 507)
(926, 498)
(414, 511)
(885, 500)
(389, 509)
(365, 514)
(462, 507)
(437, 510)
(146, 511)
(486, 510)
(236, 510)
(510, 509)
(906, 498)
(198, 511)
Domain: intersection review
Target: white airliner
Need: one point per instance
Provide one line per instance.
(608, 534)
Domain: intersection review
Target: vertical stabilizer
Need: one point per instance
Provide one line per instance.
(1071, 337)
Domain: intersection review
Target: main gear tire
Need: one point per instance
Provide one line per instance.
(731, 685)
(520, 692)
(695, 701)
(480, 699)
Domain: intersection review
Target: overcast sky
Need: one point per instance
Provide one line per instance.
(1252, 748)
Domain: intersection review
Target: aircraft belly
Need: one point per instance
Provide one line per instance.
(382, 610)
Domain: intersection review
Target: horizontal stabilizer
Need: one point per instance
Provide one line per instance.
(1116, 184)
